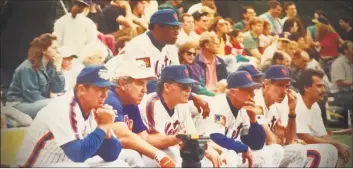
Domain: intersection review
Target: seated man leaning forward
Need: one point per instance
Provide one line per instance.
(131, 78)
(74, 129)
(166, 113)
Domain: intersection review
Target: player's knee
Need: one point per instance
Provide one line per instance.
(301, 155)
(278, 150)
(331, 151)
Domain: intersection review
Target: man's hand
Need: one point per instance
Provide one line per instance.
(201, 105)
(252, 110)
(248, 156)
(212, 155)
(344, 152)
(292, 101)
(105, 115)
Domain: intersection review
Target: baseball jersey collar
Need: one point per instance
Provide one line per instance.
(233, 109)
(154, 42)
(79, 105)
(170, 112)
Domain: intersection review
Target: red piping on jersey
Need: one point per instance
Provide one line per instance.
(316, 158)
(37, 149)
(150, 112)
(73, 121)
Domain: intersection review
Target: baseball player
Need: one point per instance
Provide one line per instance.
(322, 149)
(279, 125)
(74, 127)
(233, 114)
(131, 79)
(167, 113)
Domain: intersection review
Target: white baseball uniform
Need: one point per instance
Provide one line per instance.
(309, 121)
(157, 119)
(141, 48)
(60, 122)
(294, 154)
(222, 120)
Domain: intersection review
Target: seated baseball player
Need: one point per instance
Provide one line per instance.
(74, 129)
(131, 78)
(166, 114)
(234, 115)
(276, 100)
(322, 149)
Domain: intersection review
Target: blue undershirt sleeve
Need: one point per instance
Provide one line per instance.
(255, 138)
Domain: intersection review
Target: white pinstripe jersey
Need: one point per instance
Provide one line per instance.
(60, 122)
(222, 120)
(156, 117)
(277, 112)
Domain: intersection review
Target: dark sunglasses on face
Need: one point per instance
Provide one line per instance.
(191, 53)
(184, 86)
(171, 27)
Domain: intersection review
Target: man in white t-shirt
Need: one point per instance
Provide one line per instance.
(323, 151)
(187, 33)
(278, 119)
(166, 112)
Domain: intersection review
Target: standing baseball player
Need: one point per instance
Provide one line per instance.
(75, 127)
(322, 149)
(131, 79)
(234, 115)
(166, 112)
(279, 125)
(156, 48)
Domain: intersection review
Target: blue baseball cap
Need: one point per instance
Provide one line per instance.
(241, 79)
(251, 69)
(177, 73)
(165, 17)
(278, 72)
(96, 75)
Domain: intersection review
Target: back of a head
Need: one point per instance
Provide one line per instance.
(206, 37)
(272, 4)
(288, 24)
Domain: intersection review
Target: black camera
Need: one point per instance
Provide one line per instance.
(192, 150)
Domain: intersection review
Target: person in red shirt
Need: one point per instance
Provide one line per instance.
(235, 44)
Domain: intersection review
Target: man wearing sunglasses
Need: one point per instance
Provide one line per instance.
(156, 48)
(167, 113)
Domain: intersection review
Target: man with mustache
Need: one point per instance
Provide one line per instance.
(278, 116)
(323, 151)
(131, 79)
(166, 114)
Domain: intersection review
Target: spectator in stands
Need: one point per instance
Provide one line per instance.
(289, 27)
(121, 42)
(229, 24)
(342, 77)
(95, 14)
(312, 30)
(69, 69)
(138, 9)
(197, 7)
(38, 76)
(299, 39)
(329, 42)
(235, 44)
(219, 26)
(201, 22)
(251, 38)
(292, 48)
(278, 58)
(187, 53)
(176, 5)
(212, 68)
(75, 29)
(117, 14)
(247, 13)
(272, 16)
(187, 33)
(291, 11)
(94, 54)
(265, 38)
(150, 9)
(282, 44)
(299, 63)
(345, 32)
(301, 28)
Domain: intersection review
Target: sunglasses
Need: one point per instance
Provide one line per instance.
(184, 86)
(191, 53)
(170, 27)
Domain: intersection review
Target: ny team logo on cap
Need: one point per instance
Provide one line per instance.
(248, 76)
(175, 16)
(103, 73)
(186, 72)
(284, 71)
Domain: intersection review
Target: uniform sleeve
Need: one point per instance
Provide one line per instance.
(116, 106)
(30, 85)
(190, 126)
(65, 125)
(318, 125)
(301, 120)
(255, 136)
(134, 114)
(148, 113)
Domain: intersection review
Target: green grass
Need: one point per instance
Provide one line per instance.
(348, 140)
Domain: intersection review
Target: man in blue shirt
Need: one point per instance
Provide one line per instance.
(131, 78)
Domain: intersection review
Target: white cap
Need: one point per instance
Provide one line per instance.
(139, 68)
(66, 51)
